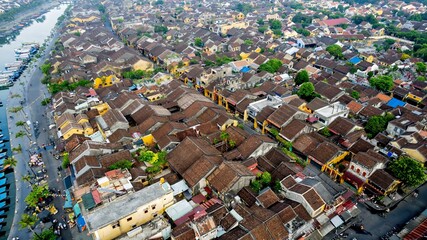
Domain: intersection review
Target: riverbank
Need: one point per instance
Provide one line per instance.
(25, 87)
(9, 26)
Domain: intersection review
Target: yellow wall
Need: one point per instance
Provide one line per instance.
(71, 132)
(142, 215)
(105, 81)
(415, 154)
(102, 108)
(335, 160)
(413, 97)
(81, 20)
(239, 25)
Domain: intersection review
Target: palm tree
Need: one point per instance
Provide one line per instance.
(27, 178)
(20, 123)
(28, 221)
(11, 162)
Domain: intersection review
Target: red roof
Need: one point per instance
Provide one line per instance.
(418, 232)
(96, 197)
(334, 22)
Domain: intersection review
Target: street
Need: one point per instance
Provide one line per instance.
(398, 217)
(34, 92)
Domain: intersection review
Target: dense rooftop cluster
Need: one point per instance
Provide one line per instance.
(236, 119)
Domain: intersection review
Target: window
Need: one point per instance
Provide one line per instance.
(116, 225)
(358, 171)
(129, 219)
(364, 174)
(154, 215)
(146, 210)
(153, 207)
(352, 167)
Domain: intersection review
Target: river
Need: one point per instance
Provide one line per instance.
(37, 32)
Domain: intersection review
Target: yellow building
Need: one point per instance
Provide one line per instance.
(223, 29)
(105, 81)
(239, 16)
(83, 19)
(128, 212)
(102, 108)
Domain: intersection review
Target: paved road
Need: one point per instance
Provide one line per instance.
(34, 92)
(405, 211)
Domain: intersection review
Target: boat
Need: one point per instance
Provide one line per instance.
(3, 205)
(4, 154)
(1, 135)
(1, 175)
(3, 181)
(14, 64)
(23, 50)
(2, 190)
(3, 196)
(2, 145)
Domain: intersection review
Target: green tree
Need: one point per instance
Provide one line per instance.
(47, 234)
(20, 123)
(146, 156)
(420, 67)
(302, 31)
(38, 192)
(277, 186)
(262, 29)
(275, 24)
(377, 124)
(160, 29)
(45, 68)
(306, 91)
(271, 65)
(122, 164)
(382, 82)
(244, 8)
(248, 42)
(260, 21)
(301, 77)
(265, 178)
(10, 161)
(198, 42)
(65, 160)
(256, 185)
(20, 134)
(28, 221)
(421, 78)
(410, 171)
(45, 101)
(26, 178)
(355, 94)
(325, 132)
(335, 51)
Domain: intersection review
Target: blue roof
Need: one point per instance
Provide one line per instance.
(245, 69)
(355, 60)
(68, 202)
(394, 103)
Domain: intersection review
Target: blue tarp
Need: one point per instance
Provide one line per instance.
(4, 154)
(355, 60)
(2, 189)
(1, 174)
(2, 182)
(2, 204)
(2, 161)
(68, 202)
(67, 182)
(394, 103)
(77, 210)
(81, 223)
(245, 69)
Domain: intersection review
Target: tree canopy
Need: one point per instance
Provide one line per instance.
(377, 124)
(304, 19)
(244, 8)
(382, 82)
(198, 42)
(409, 170)
(275, 24)
(160, 29)
(271, 65)
(306, 91)
(45, 68)
(122, 164)
(335, 51)
(38, 192)
(301, 77)
(420, 67)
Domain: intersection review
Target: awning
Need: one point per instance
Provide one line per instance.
(68, 202)
(88, 201)
(312, 119)
(96, 197)
(77, 210)
(67, 182)
(81, 223)
(353, 179)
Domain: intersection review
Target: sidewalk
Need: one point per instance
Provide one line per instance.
(388, 202)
